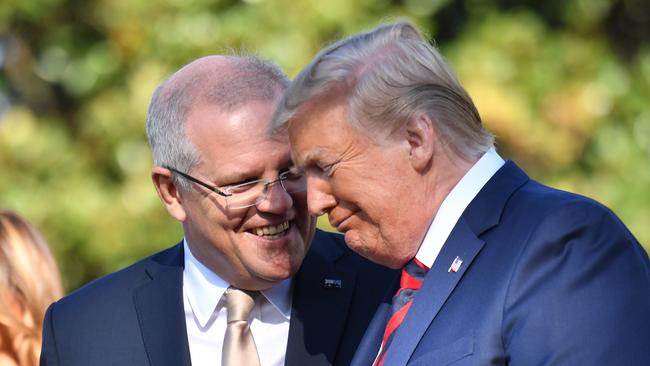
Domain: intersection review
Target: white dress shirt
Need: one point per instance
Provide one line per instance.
(455, 203)
(205, 316)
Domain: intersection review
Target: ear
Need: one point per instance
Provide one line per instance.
(421, 138)
(168, 193)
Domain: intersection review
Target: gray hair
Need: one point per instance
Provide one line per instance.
(388, 75)
(241, 80)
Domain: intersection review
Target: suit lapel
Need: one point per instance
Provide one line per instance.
(436, 288)
(369, 345)
(159, 305)
(316, 318)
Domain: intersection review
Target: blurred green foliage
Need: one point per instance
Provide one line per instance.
(563, 84)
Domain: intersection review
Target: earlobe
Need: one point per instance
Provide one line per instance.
(168, 193)
(421, 138)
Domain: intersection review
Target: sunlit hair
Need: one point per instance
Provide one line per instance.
(29, 283)
(388, 76)
(249, 79)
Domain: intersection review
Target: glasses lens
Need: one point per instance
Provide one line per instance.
(252, 193)
(293, 182)
(246, 195)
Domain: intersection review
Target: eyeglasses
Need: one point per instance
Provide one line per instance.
(251, 193)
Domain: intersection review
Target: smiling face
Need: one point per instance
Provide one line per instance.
(370, 191)
(254, 247)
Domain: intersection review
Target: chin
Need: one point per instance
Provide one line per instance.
(373, 252)
(276, 277)
(355, 242)
(279, 271)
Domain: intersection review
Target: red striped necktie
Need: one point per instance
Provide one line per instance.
(411, 280)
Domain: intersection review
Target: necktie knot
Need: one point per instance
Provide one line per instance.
(412, 275)
(239, 303)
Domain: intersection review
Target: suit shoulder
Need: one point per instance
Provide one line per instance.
(556, 221)
(543, 201)
(118, 284)
(548, 220)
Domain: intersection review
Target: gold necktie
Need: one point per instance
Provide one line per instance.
(238, 345)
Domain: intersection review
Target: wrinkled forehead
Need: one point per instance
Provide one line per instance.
(319, 108)
(318, 128)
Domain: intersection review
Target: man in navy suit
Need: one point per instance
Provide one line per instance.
(230, 182)
(498, 269)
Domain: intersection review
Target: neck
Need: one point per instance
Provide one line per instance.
(446, 170)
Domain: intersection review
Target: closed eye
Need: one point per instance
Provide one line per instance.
(329, 169)
(242, 185)
(320, 170)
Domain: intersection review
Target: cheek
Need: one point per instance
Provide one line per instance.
(232, 220)
(380, 229)
(369, 187)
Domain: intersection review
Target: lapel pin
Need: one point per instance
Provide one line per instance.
(455, 265)
(330, 283)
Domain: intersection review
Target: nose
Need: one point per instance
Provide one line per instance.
(320, 199)
(277, 199)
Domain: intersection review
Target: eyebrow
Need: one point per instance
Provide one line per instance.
(236, 176)
(309, 157)
(230, 177)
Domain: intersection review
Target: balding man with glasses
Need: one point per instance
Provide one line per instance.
(247, 285)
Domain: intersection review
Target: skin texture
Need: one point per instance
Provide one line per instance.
(380, 194)
(235, 147)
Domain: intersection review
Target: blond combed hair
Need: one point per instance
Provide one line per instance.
(386, 77)
(29, 282)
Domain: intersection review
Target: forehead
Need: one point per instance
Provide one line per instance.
(318, 129)
(236, 139)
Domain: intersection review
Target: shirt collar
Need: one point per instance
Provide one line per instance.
(455, 203)
(280, 297)
(205, 288)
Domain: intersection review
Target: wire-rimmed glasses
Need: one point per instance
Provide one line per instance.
(251, 193)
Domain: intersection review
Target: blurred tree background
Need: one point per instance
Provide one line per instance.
(564, 85)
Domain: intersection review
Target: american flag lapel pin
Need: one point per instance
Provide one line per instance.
(455, 265)
(332, 283)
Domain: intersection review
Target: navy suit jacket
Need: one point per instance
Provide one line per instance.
(547, 278)
(136, 317)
